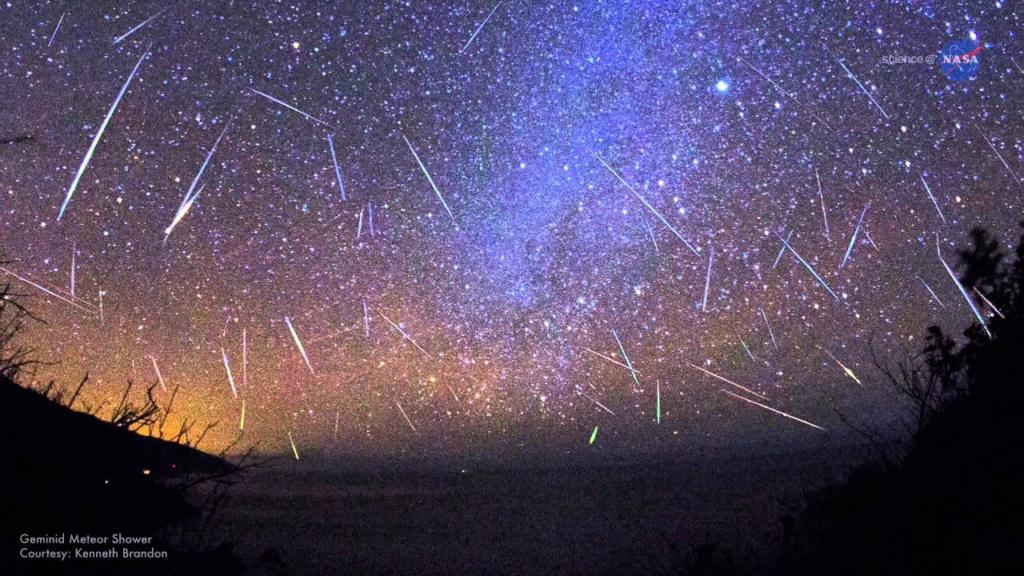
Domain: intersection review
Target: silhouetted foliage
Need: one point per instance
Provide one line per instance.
(952, 504)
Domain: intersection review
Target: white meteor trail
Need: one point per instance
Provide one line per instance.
(603, 407)
(726, 380)
(480, 27)
(824, 214)
(810, 269)
(934, 201)
(121, 38)
(626, 358)
(292, 108)
(402, 410)
(429, 179)
(843, 366)
(241, 421)
(970, 302)
(989, 303)
(863, 89)
(770, 333)
(45, 290)
(853, 238)
(190, 198)
(405, 335)
(612, 360)
(227, 367)
(779, 412)
(369, 216)
(782, 250)
(359, 226)
(645, 203)
(73, 250)
(159, 376)
(930, 291)
(54, 35)
(366, 319)
(298, 344)
(337, 170)
(707, 279)
(998, 155)
(292, 442)
(99, 134)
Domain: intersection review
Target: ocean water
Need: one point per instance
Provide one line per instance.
(580, 519)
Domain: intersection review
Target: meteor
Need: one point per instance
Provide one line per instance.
(930, 291)
(337, 171)
(935, 202)
(292, 442)
(626, 358)
(190, 198)
(612, 360)
(603, 407)
(727, 381)
(99, 134)
(809, 268)
(863, 89)
(402, 410)
(824, 215)
(645, 203)
(779, 412)
(770, 333)
(298, 343)
(782, 250)
(241, 421)
(989, 303)
(977, 313)
(227, 367)
(480, 27)
(405, 335)
(54, 35)
(707, 279)
(853, 238)
(292, 108)
(159, 376)
(45, 290)
(593, 435)
(121, 38)
(843, 366)
(429, 179)
(657, 401)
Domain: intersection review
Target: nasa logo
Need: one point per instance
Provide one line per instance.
(960, 59)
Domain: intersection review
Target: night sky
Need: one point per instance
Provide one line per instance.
(523, 187)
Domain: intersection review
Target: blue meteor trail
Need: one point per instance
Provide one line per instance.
(337, 170)
(854, 237)
(99, 133)
(809, 268)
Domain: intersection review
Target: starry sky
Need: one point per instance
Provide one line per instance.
(459, 226)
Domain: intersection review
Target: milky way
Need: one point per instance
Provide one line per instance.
(486, 226)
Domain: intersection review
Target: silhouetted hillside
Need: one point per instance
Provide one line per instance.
(68, 472)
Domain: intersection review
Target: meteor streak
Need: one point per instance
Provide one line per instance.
(337, 171)
(863, 89)
(159, 376)
(241, 421)
(593, 435)
(121, 38)
(45, 290)
(603, 407)
(99, 134)
(626, 358)
(977, 313)
(647, 204)
(853, 238)
(843, 366)
(480, 27)
(727, 381)
(935, 202)
(429, 179)
(298, 343)
(612, 360)
(707, 279)
(770, 333)
(779, 412)
(292, 108)
(227, 367)
(989, 303)
(54, 35)
(402, 410)
(782, 250)
(809, 268)
(405, 335)
(292, 442)
(824, 214)
(930, 291)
